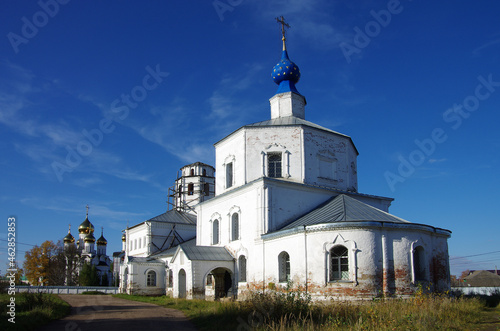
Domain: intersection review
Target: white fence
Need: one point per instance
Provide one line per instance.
(477, 290)
(66, 289)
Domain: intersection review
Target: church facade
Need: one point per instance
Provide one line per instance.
(86, 252)
(286, 213)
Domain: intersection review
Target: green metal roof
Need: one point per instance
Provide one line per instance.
(206, 253)
(343, 208)
(172, 216)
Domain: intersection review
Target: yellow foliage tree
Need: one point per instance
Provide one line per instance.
(17, 275)
(37, 263)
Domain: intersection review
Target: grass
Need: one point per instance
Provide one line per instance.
(290, 311)
(32, 310)
(294, 311)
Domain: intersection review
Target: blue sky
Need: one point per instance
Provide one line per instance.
(101, 103)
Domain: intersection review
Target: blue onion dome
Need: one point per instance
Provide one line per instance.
(286, 74)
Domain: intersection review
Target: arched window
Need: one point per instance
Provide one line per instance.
(242, 266)
(204, 172)
(206, 188)
(419, 263)
(190, 189)
(229, 175)
(339, 263)
(170, 275)
(151, 278)
(192, 172)
(215, 232)
(235, 227)
(180, 189)
(284, 267)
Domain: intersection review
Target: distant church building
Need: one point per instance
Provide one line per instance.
(87, 252)
(285, 212)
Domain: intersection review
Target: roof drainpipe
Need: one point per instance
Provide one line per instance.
(263, 266)
(305, 251)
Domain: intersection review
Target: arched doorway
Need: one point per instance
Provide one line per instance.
(182, 283)
(222, 283)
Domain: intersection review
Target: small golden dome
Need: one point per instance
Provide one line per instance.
(69, 239)
(89, 238)
(102, 240)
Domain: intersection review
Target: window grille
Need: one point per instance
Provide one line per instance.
(235, 227)
(151, 278)
(339, 263)
(284, 267)
(215, 232)
(242, 263)
(229, 175)
(274, 165)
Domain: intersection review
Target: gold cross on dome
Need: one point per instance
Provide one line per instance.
(281, 20)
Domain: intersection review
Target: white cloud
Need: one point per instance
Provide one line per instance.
(45, 138)
(96, 209)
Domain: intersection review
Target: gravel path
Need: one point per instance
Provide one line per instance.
(104, 312)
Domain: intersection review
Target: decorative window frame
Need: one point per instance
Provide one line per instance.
(285, 159)
(230, 159)
(352, 251)
(232, 211)
(215, 217)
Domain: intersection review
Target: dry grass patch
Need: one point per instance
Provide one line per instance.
(295, 311)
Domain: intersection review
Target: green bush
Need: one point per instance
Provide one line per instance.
(32, 310)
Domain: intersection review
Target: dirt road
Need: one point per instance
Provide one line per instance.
(103, 312)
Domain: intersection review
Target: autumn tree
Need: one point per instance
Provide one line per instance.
(46, 264)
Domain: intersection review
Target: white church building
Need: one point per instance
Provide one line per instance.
(281, 209)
